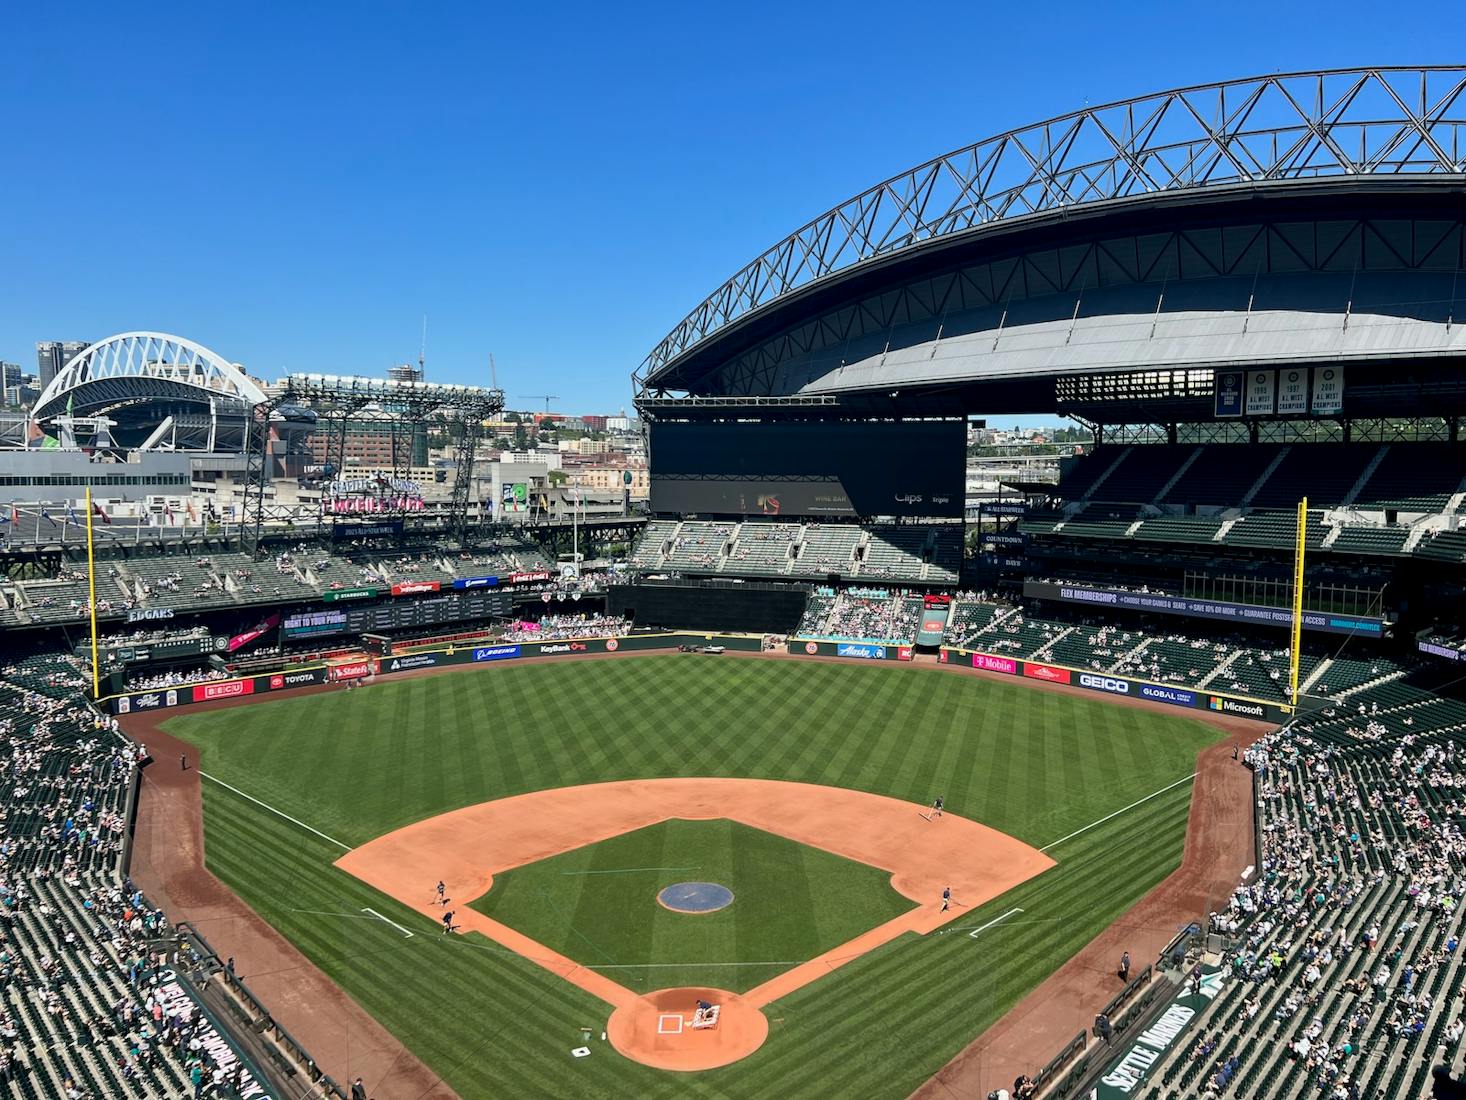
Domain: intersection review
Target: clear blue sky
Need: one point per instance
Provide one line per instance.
(295, 185)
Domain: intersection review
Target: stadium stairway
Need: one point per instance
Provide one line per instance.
(1177, 476)
(1315, 676)
(1113, 466)
(1353, 494)
(1226, 665)
(1262, 478)
(1369, 685)
(1043, 651)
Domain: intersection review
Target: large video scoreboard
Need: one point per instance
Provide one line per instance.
(399, 614)
(846, 469)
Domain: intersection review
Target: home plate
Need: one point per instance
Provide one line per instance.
(669, 1024)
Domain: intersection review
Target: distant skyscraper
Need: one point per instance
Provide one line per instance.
(48, 361)
(52, 355)
(10, 382)
(405, 372)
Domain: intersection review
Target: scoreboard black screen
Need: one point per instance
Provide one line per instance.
(399, 614)
(832, 468)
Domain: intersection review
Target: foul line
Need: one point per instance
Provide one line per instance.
(996, 920)
(277, 813)
(390, 921)
(1117, 813)
(630, 870)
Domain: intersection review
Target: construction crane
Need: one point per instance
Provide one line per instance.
(545, 397)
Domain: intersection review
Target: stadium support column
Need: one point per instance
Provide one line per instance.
(470, 426)
(92, 599)
(1294, 654)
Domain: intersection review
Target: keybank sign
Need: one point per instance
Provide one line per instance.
(1104, 683)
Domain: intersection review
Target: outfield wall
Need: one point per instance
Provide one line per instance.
(854, 647)
(286, 679)
(1238, 706)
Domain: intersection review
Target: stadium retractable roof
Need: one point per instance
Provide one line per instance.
(1292, 218)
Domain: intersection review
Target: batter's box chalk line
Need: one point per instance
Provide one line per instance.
(664, 1022)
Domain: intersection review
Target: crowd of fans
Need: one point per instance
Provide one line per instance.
(175, 677)
(1343, 953)
(863, 614)
(553, 627)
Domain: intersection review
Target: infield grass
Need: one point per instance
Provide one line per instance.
(1035, 764)
(598, 904)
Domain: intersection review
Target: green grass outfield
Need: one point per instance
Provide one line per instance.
(1035, 764)
(598, 904)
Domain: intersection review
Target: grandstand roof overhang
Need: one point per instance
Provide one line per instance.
(1369, 166)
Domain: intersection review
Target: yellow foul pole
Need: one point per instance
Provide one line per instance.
(1293, 650)
(92, 599)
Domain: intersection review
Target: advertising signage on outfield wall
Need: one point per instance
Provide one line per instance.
(1250, 614)
(1118, 685)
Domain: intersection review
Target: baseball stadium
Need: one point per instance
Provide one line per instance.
(826, 775)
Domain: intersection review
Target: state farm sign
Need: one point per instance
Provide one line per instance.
(354, 671)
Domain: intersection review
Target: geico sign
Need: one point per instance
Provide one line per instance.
(1105, 683)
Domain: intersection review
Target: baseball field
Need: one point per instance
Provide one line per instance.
(296, 784)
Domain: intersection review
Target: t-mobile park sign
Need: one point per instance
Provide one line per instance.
(1246, 613)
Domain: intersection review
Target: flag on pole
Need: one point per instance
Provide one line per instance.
(168, 511)
(192, 512)
(45, 515)
(71, 515)
(14, 514)
(97, 511)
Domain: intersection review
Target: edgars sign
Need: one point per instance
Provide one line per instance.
(1046, 672)
(149, 614)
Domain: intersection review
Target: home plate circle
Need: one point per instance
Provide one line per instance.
(695, 897)
(690, 1028)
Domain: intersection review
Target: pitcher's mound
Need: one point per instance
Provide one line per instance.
(695, 897)
(657, 1029)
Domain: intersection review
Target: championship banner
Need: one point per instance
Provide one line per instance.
(1293, 392)
(1328, 391)
(1261, 385)
(1228, 394)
